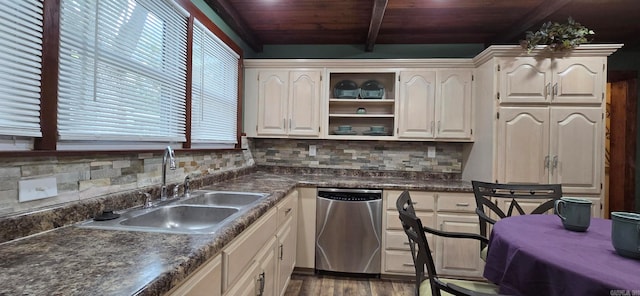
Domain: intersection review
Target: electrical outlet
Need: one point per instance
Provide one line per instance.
(431, 152)
(32, 189)
(312, 150)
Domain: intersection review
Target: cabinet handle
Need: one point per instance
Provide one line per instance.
(281, 251)
(547, 90)
(555, 162)
(284, 123)
(546, 162)
(286, 212)
(290, 123)
(261, 284)
(462, 204)
(432, 124)
(555, 89)
(414, 202)
(407, 264)
(407, 243)
(438, 125)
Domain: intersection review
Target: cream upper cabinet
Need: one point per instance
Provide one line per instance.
(551, 145)
(435, 104)
(546, 80)
(453, 104)
(417, 104)
(288, 103)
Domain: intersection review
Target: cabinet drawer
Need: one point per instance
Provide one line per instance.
(397, 240)
(241, 251)
(422, 200)
(393, 219)
(287, 207)
(399, 262)
(456, 202)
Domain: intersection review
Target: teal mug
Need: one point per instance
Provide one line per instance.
(574, 212)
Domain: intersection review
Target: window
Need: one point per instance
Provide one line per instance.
(122, 72)
(20, 72)
(214, 106)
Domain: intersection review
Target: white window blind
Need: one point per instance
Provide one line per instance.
(214, 106)
(122, 70)
(20, 67)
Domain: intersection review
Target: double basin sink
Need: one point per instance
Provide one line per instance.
(203, 212)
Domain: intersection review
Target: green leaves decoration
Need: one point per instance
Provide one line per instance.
(558, 37)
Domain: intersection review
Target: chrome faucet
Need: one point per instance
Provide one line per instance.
(168, 153)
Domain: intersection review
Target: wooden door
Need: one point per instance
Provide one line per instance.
(304, 103)
(576, 149)
(524, 80)
(417, 104)
(455, 256)
(272, 102)
(578, 80)
(523, 145)
(453, 104)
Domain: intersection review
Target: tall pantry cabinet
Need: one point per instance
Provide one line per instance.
(541, 118)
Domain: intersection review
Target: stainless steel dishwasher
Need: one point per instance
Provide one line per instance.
(348, 230)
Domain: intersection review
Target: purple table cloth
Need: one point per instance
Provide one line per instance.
(535, 255)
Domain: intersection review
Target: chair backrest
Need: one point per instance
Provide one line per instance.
(486, 194)
(422, 259)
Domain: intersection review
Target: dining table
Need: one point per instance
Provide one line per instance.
(536, 255)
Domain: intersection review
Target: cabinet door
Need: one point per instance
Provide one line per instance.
(272, 102)
(205, 281)
(524, 80)
(268, 269)
(576, 149)
(455, 256)
(453, 104)
(523, 145)
(286, 254)
(304, 103)
(578, 80)
(248, 284)
(417, 104)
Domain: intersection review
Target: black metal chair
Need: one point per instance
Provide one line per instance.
(487, 195)
(427, 280)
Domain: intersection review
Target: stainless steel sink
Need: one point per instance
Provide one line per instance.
(224, 199)
(203, 213)
(186, 218)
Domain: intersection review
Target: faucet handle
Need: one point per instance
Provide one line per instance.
(187, 186)
(175, 191)
(147, 200)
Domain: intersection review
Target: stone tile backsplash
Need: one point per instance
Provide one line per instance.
(359, 155)
(79, 178)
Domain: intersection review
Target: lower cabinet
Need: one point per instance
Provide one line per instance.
(260, 261)
(205, 281)
(449, 211)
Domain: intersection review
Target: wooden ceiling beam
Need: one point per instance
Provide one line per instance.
(379, 6)
(544, 10)
(232, 18)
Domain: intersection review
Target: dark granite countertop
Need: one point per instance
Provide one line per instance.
(78, 261)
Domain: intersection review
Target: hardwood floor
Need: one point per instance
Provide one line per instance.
(326, 285)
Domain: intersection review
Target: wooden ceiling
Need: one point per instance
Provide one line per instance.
(370, 22)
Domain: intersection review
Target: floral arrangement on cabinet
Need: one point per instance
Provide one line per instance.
(558, 37)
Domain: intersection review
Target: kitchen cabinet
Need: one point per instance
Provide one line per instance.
(539, 118)
(440, 210)
(259, 278)
(358, 113)
(240, 255)
(435, 104)
(283, 102)
(457, 257)
(556, 144)
(559, 80)
(306, 229)
(286, 240)
(204, 281)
